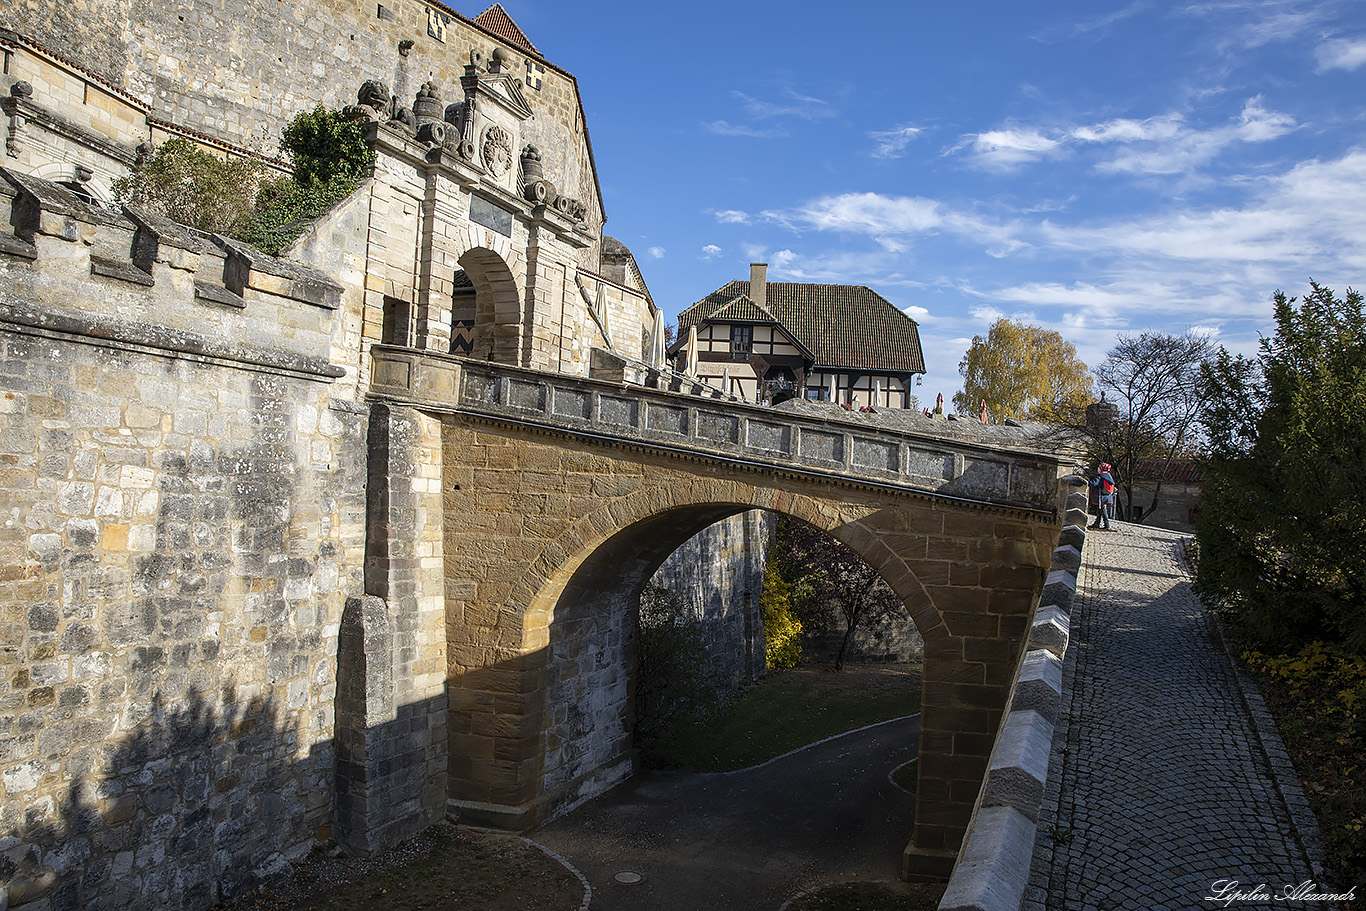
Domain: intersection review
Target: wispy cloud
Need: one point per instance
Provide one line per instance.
(1161, 144)
(1008, 148)
(793, 105)
(732, 217)
(710, 251)
(1081, 27)
(892, 143)
(656, 252)
(1341, 54)
(726, 128)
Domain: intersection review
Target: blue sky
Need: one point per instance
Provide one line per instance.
(1095, 168)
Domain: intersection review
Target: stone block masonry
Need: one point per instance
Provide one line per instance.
(181, 521)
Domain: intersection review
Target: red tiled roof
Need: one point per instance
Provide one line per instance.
(1181, 471)
(497, 20)
(847, 327)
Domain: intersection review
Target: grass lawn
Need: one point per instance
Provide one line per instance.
(791, 709)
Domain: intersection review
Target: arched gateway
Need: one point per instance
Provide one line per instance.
(537, 521)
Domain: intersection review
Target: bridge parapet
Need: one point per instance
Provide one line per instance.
(1006, 466)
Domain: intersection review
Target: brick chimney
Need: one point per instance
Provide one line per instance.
(758, 283)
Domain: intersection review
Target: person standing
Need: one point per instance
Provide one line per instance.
(1103, 495)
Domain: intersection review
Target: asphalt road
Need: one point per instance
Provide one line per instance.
(747, 840)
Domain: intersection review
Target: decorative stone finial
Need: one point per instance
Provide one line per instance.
(427, 107)
(499, 61)
(21, 89)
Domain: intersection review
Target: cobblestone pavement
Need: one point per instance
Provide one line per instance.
(1166, 787)
(746, 840)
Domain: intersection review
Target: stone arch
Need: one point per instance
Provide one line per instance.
(570, 618)
(558, 533)
(68, 175)
(498, 313)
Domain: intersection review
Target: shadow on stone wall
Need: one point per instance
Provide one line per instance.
(189, 808)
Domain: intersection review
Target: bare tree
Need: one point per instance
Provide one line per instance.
(832, 574)
(1154, 379)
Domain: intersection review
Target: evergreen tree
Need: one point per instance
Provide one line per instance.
(1283, 515)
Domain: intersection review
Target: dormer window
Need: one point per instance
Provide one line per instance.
(741, 341)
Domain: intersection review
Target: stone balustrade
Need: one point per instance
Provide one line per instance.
(1007, 468)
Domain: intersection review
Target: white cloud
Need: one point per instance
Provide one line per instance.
(711, 251)
(724, 128)
(1163, 126)
(801, 106)
(732, 217)
(1342, 54)
(1009, 148)
(1206, 331)
(894, 221)
(1184, 151)
(656, 252)
(892, 143)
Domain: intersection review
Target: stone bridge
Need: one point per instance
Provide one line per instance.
(516, 516)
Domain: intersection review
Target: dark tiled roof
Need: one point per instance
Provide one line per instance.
(849, 327)
(1181, 471)
(742, 310)
(497, 20)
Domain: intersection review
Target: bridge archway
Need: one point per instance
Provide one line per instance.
(568, 533)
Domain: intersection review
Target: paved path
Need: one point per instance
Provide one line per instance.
(746, 841)
(1166, 787)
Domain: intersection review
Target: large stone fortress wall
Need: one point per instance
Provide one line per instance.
(184, 507)
(238, 71)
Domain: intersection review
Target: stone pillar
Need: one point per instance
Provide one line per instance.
(967, 679)
(391, 699)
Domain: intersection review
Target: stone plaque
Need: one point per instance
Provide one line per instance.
(530, 396)
(766, 437)
(816, 446)
(875, 454)
(483, 212)
(923, 464)
(481, 389)
(618, 412)
(985, 478)
(572, 403)
(718, 428)
(664, 419)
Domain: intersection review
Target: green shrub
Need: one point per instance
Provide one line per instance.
(182, 182)
(325, 147)
(1283, 511)
(285, 208)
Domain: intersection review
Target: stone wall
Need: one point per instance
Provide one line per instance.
(239, 72)
(719, 575)
(182, 481)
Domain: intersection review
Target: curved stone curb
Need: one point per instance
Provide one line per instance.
(583, 880)
(766, 762)
(891, 776)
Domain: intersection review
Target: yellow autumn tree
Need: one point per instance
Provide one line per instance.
(1024, 372)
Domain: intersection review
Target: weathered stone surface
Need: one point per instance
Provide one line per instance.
(994, 868)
